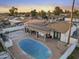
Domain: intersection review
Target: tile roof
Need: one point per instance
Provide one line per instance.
(59, 26)
(45, 26)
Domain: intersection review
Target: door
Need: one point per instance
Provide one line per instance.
(57, 35)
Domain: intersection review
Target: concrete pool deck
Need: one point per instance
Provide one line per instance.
(57, 47)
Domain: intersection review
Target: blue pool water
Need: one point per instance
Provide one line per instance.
(35, 49)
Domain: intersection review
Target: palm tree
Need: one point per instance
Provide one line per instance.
(76, 13)
(13, 11)
(71, 21)
(16, 11)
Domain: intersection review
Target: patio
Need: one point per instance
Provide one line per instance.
(57, 47)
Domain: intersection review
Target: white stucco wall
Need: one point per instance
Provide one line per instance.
(13, 28)
(50, 20)
(52, 34)
(5, 55)
(73, 29)
(8, 43)
(67, 19)
(64, 36)
(40, 33)
(17, 34)
(73, 40)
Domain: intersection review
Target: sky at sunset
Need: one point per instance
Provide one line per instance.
(28, 5)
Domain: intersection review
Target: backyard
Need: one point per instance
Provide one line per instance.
(75, 54)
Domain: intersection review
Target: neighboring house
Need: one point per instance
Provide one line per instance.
(6, 42)
(6, 29)
(56, 18)
(75, 20)
(76, 35)
(15, 22)
(5, 55)
(67, 19)
(57, 30)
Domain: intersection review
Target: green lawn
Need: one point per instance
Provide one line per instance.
(1, 48)
(75, 54)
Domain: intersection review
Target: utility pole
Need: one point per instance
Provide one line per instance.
(71, 21)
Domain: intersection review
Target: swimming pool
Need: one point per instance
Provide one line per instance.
(35, 49)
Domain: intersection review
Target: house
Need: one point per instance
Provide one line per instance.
(57, 18)
(6, 28)
(56, 30)
(60, 30)
(4, 54)
(15, 22)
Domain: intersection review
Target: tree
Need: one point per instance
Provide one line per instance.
(34, 13)
(57, 11)
(73, 4)
(67, 12)
(27, 14)
(49, 14)
(42, 14)
(13, 11)
(16, 11)
(76, 13)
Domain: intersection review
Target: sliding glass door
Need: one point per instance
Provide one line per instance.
(57, 35)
